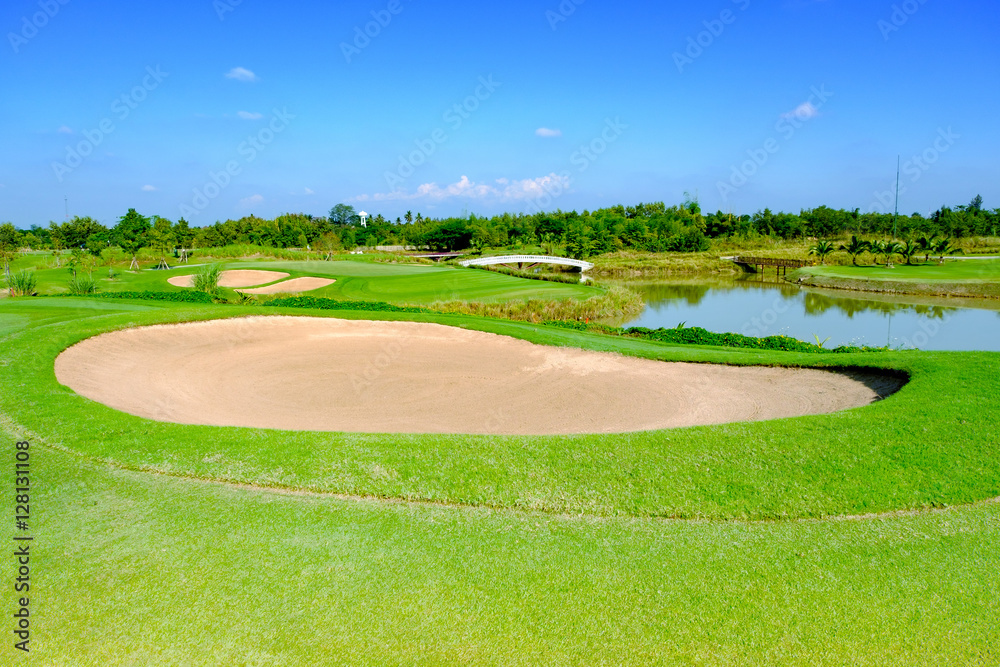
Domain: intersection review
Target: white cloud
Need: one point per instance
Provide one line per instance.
(804, 111)
(149, 188)
(546, 132)
(65, 130)
(250, 201)
(504, 190)
(249, 115)
(309, 191)
(532, 188)
(241, 74)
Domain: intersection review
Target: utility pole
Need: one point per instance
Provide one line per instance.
(895, 213)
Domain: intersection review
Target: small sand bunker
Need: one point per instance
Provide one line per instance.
(323, 374)
(241, 278)
(291, 286)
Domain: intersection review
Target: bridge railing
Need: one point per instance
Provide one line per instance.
(527, 259)
(770, 261)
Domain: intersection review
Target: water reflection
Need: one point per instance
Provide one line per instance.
(816, 303)
(761, 306)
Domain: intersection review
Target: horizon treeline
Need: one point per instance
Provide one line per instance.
(653, 227)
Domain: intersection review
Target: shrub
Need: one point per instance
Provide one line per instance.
(81, 284)
(207, 280)
(617, 302)
(22, 283)
(187, 296)
(323, 303)
(698, 336)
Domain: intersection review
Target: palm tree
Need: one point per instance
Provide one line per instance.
(886, 248)
(856, 247)
(821, 250)
(944, 247)
(927, 245)
(908, 250)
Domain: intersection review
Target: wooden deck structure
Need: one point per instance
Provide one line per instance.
(757, 264)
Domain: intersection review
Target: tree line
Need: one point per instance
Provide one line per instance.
(653, 227)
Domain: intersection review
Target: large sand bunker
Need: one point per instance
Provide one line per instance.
(324, 374)
(240, 278)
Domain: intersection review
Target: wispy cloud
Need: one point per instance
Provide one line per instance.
(502, 189)
(804, 111)
(249, 115)
(309, 191)
(149, 188)
(241, 74)
(65, 130)
(547, 132)
(252, 200)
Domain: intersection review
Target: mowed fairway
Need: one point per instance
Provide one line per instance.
(356, 279)
(421, 283)
(160, 543)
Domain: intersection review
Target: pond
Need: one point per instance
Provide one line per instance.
(757, 306)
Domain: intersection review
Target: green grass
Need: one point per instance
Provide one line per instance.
(416, 284)
(515, 550)
(970, 277)
(953, 270)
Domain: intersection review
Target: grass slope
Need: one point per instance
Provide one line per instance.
(358, 280)
(972, 277)
(137, 568)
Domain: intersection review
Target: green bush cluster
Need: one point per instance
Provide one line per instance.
(323, 303)
(699, 336)
(186, 296)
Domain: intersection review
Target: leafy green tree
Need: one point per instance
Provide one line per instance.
(343, 214)
(451, 235)
(183, 233)
(855, 247)
(130, 234)
(10, 246)
(161, 239)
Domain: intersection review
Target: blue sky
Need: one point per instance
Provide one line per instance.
(217, 109)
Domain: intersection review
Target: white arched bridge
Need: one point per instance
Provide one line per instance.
(530, 260)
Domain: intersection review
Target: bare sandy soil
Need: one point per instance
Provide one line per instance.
(291, 286)
(324, 374)
(241, 278)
